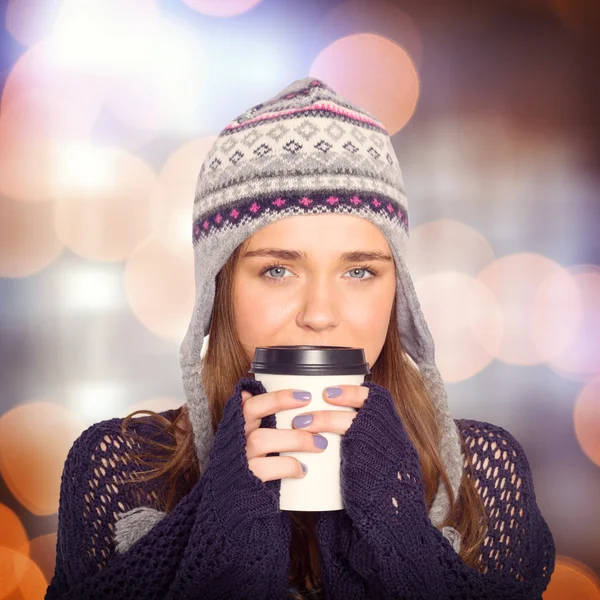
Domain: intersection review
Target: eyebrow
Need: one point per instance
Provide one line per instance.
(353, 256)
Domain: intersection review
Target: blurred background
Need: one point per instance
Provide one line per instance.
(108, 108)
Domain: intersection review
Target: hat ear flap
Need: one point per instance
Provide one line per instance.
(418, 343)
(414, 332)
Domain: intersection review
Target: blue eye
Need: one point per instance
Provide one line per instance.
(281, 268)
(273, 269)
(359, 269)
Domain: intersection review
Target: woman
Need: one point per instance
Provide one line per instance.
(300, 229)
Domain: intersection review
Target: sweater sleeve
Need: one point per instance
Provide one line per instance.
(384, 545)
(226, 538)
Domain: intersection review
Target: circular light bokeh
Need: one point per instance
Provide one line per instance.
(164, 87)
(581, 358)
(382, 18)
(28, 242)
(42, 550)
(20, 577)
(159, 287)
(374, 73)
(586, 417)
(172, 217)
(44, 104)
(467, 326)
(35, 439)
(49, 97)
(572, 579)
(12, 531)
(29, 158)
(223, 8)
(103, 202)
(447, 245)
(28, 21)
(516, 281)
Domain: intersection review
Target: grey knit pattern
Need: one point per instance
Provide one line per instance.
(306, 150)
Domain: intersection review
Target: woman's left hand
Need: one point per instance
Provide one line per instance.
(334, 421)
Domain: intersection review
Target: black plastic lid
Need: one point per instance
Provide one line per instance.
(310, 360)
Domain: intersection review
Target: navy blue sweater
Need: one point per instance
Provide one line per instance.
(226, 538)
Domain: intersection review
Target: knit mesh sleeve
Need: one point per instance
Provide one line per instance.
(384, 545)
(503, 479)
(226, 538)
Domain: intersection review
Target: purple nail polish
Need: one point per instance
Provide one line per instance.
(333, 392)
(320, 441)
(302, 420)
(304, 396)
(304, 468)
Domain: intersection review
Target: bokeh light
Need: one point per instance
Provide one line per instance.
(12, 531)
(374, 73)
(159, 286)
(164, 88)
(28, 242)
(104, 198)
(447, 245)
(581, 358)
(586, 417)
(88, 288)
(376, 16)
(42, 550)
(43, 105)
(28, 21)
(223, 8)
(468, 314)
(157, 404)
(105, 38)
(572, 580)
(20, 577)
(28, 162)
(515, 280)
(49, 97)
(95, 400)
(556, 313)
(35, 438)
(172, 216)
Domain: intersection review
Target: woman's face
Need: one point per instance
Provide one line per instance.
(306, 292)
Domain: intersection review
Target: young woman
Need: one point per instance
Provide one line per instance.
(300, 229)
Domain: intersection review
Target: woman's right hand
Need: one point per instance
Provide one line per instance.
(263, 441)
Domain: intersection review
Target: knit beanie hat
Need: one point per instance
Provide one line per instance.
(307, 150)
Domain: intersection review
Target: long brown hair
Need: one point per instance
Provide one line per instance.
(226, 362)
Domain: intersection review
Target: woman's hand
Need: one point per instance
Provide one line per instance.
(261, 441)
(334, 421)
(304, 435)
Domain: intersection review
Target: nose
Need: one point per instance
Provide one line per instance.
(319, 307)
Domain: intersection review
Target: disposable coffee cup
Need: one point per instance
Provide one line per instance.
(311, 368)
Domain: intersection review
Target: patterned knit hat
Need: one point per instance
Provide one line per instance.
(307, 150)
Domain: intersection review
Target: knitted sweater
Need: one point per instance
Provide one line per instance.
(227, 538)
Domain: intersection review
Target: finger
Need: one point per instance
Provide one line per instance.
(334, 421)
(263, 441)
(262, 405)
(351, 395)
(276, 467)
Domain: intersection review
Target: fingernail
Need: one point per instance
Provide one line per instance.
(302, 420)
(304, 396)
(320, 441)
(333, 392)
(304, 468)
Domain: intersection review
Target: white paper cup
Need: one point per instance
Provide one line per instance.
(319, 489)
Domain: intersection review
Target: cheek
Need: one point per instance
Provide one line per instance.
(369, 322)
(259, 312)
